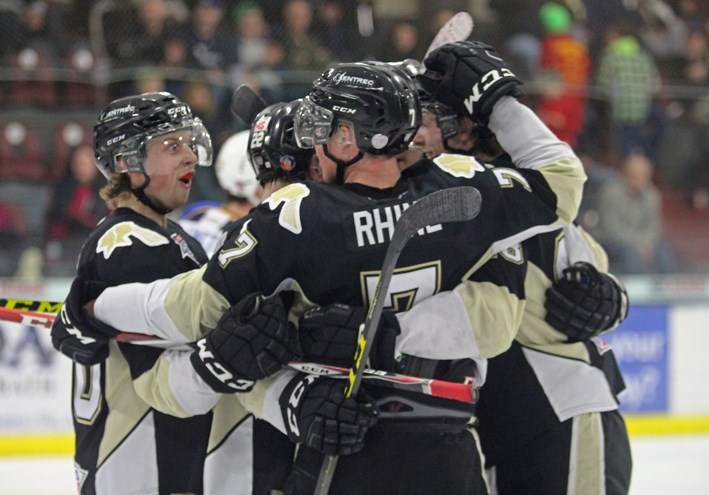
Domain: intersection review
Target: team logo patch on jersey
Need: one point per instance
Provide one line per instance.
(601, 344)
(80, 474)
(459, 165)
(122, 234)
(184, 248)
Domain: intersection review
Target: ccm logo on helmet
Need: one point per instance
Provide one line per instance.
(181, 110)
(346, 110)
(115, 140)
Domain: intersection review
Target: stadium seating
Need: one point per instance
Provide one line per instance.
(21, 156)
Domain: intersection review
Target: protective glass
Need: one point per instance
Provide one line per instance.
(312, 124)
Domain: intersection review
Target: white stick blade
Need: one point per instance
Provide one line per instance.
(458, 28)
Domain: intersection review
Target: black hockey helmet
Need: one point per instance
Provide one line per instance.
(272, 149)
(126, 124)
(380, 100)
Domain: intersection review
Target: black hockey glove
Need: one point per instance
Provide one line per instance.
(77, 334)
(470, 77)
(585, 303)
(68, 339)
(252, 340)
(329, 334)
(317, 413)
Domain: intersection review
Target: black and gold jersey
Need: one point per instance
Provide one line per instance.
(542, 379)
(122, 444)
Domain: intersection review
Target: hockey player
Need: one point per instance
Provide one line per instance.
(552, 158)
(232, 465)
(562, 441)
(205, 220)
(236, 464)
(147, 146)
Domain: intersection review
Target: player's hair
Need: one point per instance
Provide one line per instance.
(117, 185)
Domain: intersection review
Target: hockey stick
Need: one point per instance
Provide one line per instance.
(462, 392)
(31, 305)
(246, 104)
(447, 205)
(25, 317)
(458, 28)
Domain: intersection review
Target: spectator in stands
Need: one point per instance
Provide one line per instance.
(211, 49)
(75, 208)
(336, 30)
(565, 67)
(696, 180)
(303, 49)
(519, 32)
(259, 54)
(13, 236)
(44, 28)
(628, 80)
(630, 221)
(403, 41)
(696, 59)
(10, 28)
(140, 37)
(598, 14)
(599, 175)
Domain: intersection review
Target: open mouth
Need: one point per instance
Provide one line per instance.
(187, 178)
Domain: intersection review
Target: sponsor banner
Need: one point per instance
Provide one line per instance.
(35, 383)
(641, 347)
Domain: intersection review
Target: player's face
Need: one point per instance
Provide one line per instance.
(341, 145)
(170, 164)
(428, 137)
(327, 167)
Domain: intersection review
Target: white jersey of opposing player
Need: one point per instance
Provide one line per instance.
(233, 168)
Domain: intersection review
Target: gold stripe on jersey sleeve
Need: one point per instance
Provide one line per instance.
(565, 177)
(494, 314)
(193, 305)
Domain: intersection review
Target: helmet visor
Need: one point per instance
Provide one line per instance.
(133, 151)
(311, 124)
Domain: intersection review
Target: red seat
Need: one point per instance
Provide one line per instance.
(79, 88)
(33, 78)
(20, 153)
(67, 136)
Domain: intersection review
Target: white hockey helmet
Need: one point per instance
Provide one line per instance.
(234, 171)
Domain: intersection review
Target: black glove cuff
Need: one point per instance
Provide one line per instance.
(290, 401)
(214, 374)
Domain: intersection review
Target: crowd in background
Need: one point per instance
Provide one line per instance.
(626, 83)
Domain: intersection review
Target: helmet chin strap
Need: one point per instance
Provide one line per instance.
(341, 164)
(139, 192)
(456, 151)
